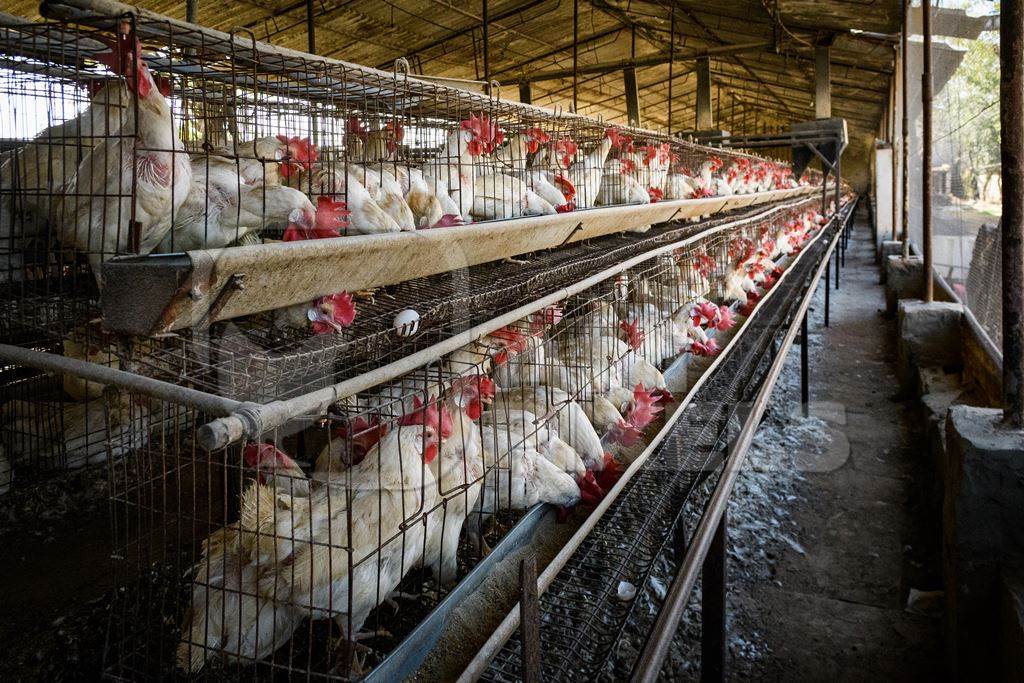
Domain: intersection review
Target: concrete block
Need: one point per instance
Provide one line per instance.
(903, 280)
(928, 337)
(983, 533)
(885, 250)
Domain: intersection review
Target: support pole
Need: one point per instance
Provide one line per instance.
(485, 26)
(704, 119)
(671, 59)
(526, 92)
(713, 594)
(575, 55)
(310, 29)
(822, 83)
(897, 61)
(837, 268)
(1011, 118)
(926, 149)
(191, 10)
(828, 268)
(905, 198)
(632, 96)
(805, 384)
(529, 620)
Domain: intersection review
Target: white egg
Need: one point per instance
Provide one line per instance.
(406, 322)
(627, 591)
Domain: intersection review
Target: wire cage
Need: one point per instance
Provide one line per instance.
(134, 134)
(295, 554)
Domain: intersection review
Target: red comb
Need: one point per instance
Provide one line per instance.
(725, 319)
(644, 407)
(331, 217)
(634, 335)
(709, 348)
(655, 194)
(591, 492)
(430, 416)
(535, 137)
(566, 149)
(365, 435)
(566, 187)
(626, 166)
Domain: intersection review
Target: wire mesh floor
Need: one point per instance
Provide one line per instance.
(582, 617)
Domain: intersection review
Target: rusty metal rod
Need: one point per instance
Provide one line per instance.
(529, 619)
(713, 604)
(926, 149)
(102, 374)
(897, 59)
(485, 24)
(905, 198)
(661, 635)
(805, 364)
(575, 55)
(1011, 118)
(310, 29)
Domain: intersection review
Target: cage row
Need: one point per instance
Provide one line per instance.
(145, 136)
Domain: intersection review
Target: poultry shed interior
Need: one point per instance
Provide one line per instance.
(328, 358)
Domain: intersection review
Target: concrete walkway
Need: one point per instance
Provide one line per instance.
(830, 600)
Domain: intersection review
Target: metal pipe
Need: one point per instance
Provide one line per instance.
(905, 198)
(575, 55)
(926, 149)
(828, 267)
(657, 645)
(102, 374)
(191, 10)
(310, 29)
(486, 46)
(529, 619)
(671, 60)
(805, 378)
(1011, 118)
(254, 420)
(898, 59)
(713, 605)
(511, 621)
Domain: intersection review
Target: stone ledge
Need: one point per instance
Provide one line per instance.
(904, 279)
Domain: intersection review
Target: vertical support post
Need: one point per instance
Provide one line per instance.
(897, 61)
(1011, 118)
(310, 29)
(904, 70)
(822, 83)
(704, 120)
(926, 148)
(713, 594)
(828, 286)
(525, 93)
(632, 96)
(805, 380)
(529, 620)
(485, 29)
(191, 10)
(837, 269)
(671, 60)
(844, 235)
(575, 55)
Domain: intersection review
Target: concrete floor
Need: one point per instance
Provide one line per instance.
(857, 536)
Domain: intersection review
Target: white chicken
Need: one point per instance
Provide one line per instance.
(250, 594)
(571, 422)
(145, 168)
(365, 217)
(221, 207)
(586, 174)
